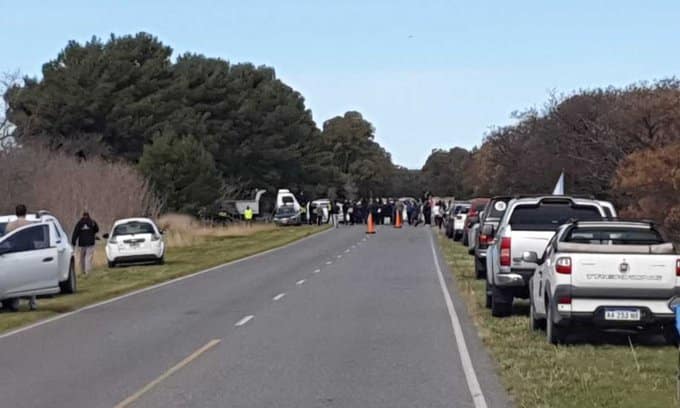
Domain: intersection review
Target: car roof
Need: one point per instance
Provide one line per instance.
(536, 200)
(40, 217)
(136, 219)
(614, 223)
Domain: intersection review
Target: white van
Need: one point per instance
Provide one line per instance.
(285, 197)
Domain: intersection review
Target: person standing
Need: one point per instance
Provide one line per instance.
(84, 235)
(21, 220)
(248, 216)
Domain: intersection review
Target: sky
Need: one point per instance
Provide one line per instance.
(427, 74)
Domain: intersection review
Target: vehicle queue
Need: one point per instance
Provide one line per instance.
(577, 263)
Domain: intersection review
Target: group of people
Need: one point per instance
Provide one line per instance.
(383, 210)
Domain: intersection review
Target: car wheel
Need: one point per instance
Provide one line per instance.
(480, 270)
(161, 260)
(465, 239)
(488, 295)
(554, 333)
(70, 284)
(535, 323)
(111, 264)
(501, 302)
(670, 333)
(10, 304)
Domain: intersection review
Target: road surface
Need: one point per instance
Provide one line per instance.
(336, 320)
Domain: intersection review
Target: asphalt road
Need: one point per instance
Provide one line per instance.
(336, 320)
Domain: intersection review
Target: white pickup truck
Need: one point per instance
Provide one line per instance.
(604, 274)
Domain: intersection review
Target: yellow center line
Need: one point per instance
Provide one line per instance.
(193, 356)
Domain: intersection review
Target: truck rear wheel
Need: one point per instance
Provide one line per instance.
(480, 269)
(554, 333)
(488, 295)
(501, 302)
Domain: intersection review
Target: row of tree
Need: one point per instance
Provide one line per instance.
(618, 144)
(199, 128)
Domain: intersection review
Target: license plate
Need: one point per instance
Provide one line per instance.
(622, 314)
(134, 245)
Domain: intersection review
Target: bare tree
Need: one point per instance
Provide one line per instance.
(7, 81)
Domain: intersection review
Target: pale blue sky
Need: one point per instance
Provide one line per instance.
(427, 74)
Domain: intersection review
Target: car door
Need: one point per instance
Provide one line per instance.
(64, 252)
(28, 264)
(544, 273)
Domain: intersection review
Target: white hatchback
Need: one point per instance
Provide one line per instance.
(134, 240)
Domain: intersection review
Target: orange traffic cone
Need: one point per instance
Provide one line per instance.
(371, 225)
(397, 221)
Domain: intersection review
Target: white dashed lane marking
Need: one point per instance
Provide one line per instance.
(317, 270)
(245, 320)
(329, 262)
(279, 296)
(300, 282)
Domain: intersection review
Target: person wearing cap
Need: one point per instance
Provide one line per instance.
(84, 235)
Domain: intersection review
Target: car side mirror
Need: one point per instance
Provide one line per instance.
(488, 230)
(530, 257)
(106, 236)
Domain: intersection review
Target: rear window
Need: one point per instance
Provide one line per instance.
(613, 236)
(549, 216)
(497, 209)
(131, 228)
(3, 225)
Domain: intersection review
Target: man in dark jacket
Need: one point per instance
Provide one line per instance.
(84, 235)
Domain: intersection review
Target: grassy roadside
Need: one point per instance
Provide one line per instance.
(107, 283)
(607, 373)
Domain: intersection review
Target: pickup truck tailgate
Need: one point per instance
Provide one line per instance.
(635, 271)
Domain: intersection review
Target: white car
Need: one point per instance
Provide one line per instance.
(65, 265)
(134, 240)
(33, 259)
(611, 275)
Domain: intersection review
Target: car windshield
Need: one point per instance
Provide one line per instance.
(132, 228)
(614, 236)
(285, 211)
(549, 216)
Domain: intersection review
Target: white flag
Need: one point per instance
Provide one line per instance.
(559, 187)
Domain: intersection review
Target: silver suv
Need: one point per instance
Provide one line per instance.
(527, 225)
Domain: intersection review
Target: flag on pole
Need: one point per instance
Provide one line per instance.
(559, 187)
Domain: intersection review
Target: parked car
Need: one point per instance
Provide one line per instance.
(493, 212)
(473, 233)
(450, 217)
(458, 219)
(134, 240)
(476, 206)
(607, 275)
(32, 263)
(527, 225)
(287, 215)
(65, 258)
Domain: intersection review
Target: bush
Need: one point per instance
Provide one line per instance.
(66, 186)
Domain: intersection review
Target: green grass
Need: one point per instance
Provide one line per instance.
(107, 283)
(586, 374)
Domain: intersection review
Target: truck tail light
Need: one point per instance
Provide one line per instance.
(484, 239)
(505, 251)
(677, 267)
(563, 265)
(564, 300)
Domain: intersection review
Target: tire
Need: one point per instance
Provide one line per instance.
(161, 261)
(70, 285)
(111, 264)
(11, 305)
(670, 333)
(501, 302)
(554, 333)
(488, 296)
(535, 323)
(480, 269)
(456, 236)
(465, 238)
